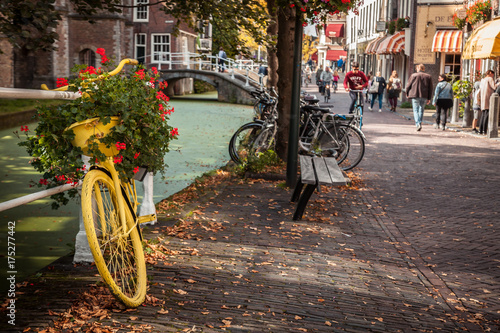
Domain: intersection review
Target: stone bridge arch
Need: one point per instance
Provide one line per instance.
(231, 90)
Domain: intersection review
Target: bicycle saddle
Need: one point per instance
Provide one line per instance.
(312, 108)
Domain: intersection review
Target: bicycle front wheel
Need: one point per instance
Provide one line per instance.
(242, 143)
(117, 252)
(346, 143)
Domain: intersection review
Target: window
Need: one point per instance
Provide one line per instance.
(452, 63)
(141, 10)
(140, 47)
(87, 57)
(161, 48)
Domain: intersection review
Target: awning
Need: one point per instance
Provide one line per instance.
(398, 45)
(382, 46)
(370, 48)
(389, 47)
(314, 56)
(335, 55)
(449, 41)
(334, 30)
(484, 42)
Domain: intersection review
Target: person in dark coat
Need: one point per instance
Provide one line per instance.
(419, 90)
(380, 93)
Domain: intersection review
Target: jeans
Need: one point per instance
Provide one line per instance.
(441, 115)
(483, 122)
(353, 96)
(418, 104)
(380, 97)
(394, 102)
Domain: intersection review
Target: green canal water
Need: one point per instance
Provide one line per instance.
(43, 235)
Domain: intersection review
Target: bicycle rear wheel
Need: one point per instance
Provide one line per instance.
(346, 143)
(118, 253)
(243, 141)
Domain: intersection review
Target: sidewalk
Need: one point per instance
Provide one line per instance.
(411, 246)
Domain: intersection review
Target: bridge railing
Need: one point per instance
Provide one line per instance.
(245, 67)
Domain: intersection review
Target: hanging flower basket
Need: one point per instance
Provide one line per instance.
(458, 22)
(478, 11)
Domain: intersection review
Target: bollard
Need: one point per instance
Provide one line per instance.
(467, 119)
(82, 249)
(493, 116)
(454, 115)
(147, 206)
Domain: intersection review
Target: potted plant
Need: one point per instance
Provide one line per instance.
(130, 104)
(458, 22)
(478, 11)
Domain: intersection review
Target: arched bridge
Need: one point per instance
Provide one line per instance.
(233, 85)
(232, 88)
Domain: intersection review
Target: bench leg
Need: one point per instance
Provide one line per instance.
(304, 199)
(296, 191)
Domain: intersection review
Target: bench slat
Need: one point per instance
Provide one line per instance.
(335, 173)
(322, 171)
(307, 170)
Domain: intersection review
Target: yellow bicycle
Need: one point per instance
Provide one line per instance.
(109, 208)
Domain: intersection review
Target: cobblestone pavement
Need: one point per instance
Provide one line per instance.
(412, 247)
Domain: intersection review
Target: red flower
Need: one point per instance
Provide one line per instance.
(104, 59)
(100, 51)
(43, 181)
(163, 84)
(140, 74)
(174, 132)
(162, 96)
(120, 146)
(24, 129)
(118, 159)
(137, 155)
(61, 82)
(155, 71)
(136, 169)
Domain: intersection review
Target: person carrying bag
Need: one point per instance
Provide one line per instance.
(377, 88)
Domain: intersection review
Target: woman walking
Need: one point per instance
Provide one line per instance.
(443, 100)
(393, 90)
(377, 79)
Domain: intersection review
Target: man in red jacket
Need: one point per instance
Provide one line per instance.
(419, 90)
(355, 80)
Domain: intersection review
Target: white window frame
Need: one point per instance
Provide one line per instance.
(165, 58)
(144, 45)
(141, 14)
(454, 64)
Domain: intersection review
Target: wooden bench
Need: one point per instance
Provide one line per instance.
(315, 171)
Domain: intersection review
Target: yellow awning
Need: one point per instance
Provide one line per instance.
(484, 43)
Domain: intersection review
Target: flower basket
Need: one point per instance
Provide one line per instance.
(121, 114)
(92, 130)
(478, 11)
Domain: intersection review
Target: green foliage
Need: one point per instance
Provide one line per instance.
(259, 162)
(202, 86)
(19, 105)
(141, 138)
(462, 89)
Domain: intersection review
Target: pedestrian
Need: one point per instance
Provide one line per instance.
(336, 78)
(262, 73)
(367, 95)
(487, 87)
(355, 80)
(476, 106)
(326, 77)
(393, 90)
(222, 57)
(308, 75)
(443, 101)
(340, 64)
(377, 88)
(318, 78)
(419, 90)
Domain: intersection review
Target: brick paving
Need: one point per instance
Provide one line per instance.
(415, 248)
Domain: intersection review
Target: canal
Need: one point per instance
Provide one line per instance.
(43, 235)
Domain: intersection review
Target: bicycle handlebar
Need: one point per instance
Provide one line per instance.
(100, 77)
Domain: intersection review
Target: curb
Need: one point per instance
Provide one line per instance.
(13, 119)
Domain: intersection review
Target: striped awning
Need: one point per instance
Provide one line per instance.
(398, 44)
(449, 41)
(335, 55)
(394, 41)
(382, 46)
(372, 46)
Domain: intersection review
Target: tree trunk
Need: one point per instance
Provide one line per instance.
(285, 47)
(272, 59)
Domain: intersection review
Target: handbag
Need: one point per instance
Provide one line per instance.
(374, 87)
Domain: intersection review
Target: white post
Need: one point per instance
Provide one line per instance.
(147, 205)
(246, 83)
(82, 249)
(493, 116)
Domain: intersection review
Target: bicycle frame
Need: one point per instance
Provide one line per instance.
(358, 108)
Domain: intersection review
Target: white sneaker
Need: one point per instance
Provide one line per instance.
(379, 110)
(436, 125)
(370, 108)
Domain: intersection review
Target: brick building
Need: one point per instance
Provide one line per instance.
(144, 33)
